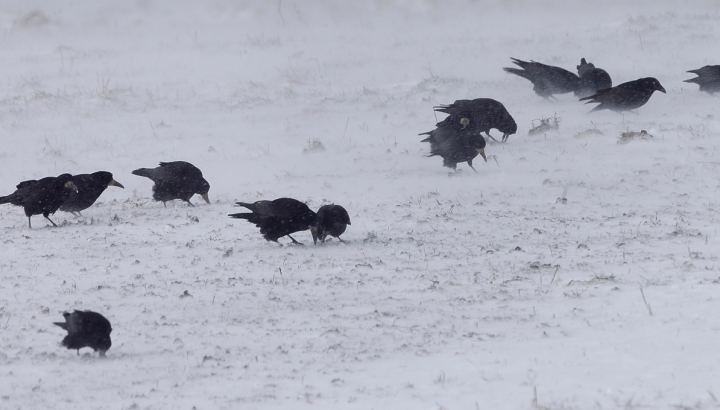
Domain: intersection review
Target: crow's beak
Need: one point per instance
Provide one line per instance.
(115, 183)
(205, 197)
(481, 151)
(70, 185)
(662, 89)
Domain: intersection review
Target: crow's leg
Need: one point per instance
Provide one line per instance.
(491, 137)
(294, 241)
(473, 168)
(48, 218)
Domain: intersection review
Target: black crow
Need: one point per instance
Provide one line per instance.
(591, 79)
(331, 220)
(278, 218)
(86, 329)
(89, 186)
(626, 96)
(547, 80)
(708, 78)
(43, 196)
(458, 137)
(176, 180)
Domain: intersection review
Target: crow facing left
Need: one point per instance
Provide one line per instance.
(90, 187)
(86, 329)
(43, 196)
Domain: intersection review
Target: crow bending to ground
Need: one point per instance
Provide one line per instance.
(708, 78)
(86, 329)
(592, 79)
(176, 180)
(43, 196)
(458, 137)
(626, 96)
(547, 80)
(277, 218)
(89, 186)
(331, 220)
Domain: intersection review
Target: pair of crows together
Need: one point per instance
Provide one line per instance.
(458, 137)
(176, 180)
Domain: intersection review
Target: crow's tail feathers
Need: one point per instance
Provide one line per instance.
(7, 199)
(61, 324)
(244, 215)
(517, 71)
(144, 172)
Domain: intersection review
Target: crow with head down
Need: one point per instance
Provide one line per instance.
(458, 137)
(43, 196)
(708, 78)
(626, 96)
(86, 329)
(331, 220)
(176, 180)
(547, 80)
(591, 79)
(90, 187)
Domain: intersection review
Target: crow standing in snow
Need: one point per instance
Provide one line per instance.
(626, 96)
(43, 196)
(708, 78)
(331, 220)
(89, 186)
(547, 80)
(458, 137)
(591, 79)
(86, 329)
(278, 218)
(176, 180)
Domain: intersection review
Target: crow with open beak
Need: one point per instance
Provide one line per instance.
(90, 187)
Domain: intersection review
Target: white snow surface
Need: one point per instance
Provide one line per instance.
(472, 291)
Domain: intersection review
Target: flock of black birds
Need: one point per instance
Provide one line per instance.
(172, 180)
(176, 180)
(458, 137)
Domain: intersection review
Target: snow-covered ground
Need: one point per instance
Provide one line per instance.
(477, 291)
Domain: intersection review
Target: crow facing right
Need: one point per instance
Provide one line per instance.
(43, 196)
(331, 220)
(547, 80)
(278, 218)
(90, 187)
(626, 96)
(86, 329)
(458, 137)
(176, 180)
(708, 78)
